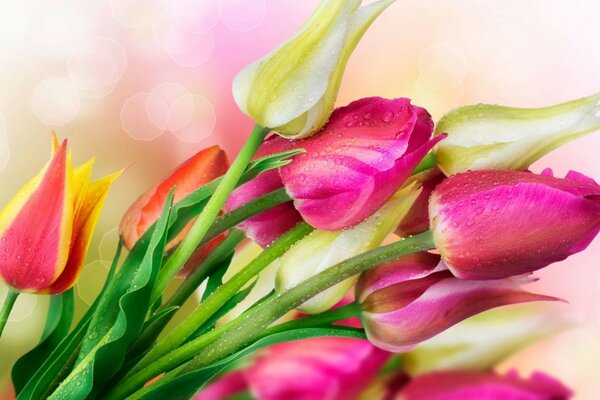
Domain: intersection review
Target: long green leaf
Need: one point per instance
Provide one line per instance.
(185, 386)
(106, 343)
(58, 322)
(59, 362)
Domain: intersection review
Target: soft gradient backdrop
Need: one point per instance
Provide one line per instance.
(146, 83)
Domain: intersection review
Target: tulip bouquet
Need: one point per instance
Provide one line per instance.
(427, 224)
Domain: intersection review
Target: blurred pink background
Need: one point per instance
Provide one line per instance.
(146, 83)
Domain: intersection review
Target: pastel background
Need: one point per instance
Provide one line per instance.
(146, 83)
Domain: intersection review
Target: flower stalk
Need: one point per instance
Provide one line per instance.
(252, 325)
(9, 302)
(201, 226)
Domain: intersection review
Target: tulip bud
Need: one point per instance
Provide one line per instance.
(410, 300)
(483, 341)
(293, 89)
(496, 224)
(484, 385)
(46, 229)
(494, 137)
(205, 166)
(364, 154)
(323, 249)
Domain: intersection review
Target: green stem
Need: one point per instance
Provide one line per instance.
(214, 302)
(190, 349)
(250, 209)
(251, 326)
(209, 213)
(255, 323)
(187, 288)
(9, 302)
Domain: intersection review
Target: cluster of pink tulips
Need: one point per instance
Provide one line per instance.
(424, 224)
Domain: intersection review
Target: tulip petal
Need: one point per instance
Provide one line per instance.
(496, 137)
(495, 224)
(88, 206)
(465, 385)
(358, 161)
(323, 249)
(203, 167)
(36, 227)
(226, 386)
(401, 315)
(315, 369)
(276, 89)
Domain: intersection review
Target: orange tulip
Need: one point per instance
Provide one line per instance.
(205, 166)
(46, 229)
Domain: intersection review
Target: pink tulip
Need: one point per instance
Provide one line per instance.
(226, 386)
(315, 369)
(496, 224)
(417, 219)
(350, 169)
(471, 385)
(415, 298)
(267, 226)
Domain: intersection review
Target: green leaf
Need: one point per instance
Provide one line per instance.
(228, 306)
(160, 315)
(185, 386)
(118, 320)
(58, 364)
(58, 322)
(215, 280)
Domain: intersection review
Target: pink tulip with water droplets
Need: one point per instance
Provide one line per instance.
(496, 224)
(364, 154)
(416, 297)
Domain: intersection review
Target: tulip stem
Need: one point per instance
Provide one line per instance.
(9, 302)
(214, 302)
(250, 326)
(204, 221)
(255, 323)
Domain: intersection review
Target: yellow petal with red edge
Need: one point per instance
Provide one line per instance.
(36, 227)
(90, 201)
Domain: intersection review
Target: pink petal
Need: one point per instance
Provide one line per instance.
(403, 314)
(224, 387)
(315, 369)
(475, 385)
(360, 158)
(267, 226)
(495, 224)
(36, 228)
(417, 219)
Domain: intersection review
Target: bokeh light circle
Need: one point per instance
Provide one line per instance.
(97, 66)
(55, 101)
(134, 14)
(135, 121)
(242, 15)
(168, 107)
(183, 36)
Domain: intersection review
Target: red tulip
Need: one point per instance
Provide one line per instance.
(46, 229)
